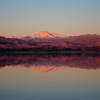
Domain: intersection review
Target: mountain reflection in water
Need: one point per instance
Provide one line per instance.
(46, 63)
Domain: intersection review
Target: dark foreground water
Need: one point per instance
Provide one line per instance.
(50, 77)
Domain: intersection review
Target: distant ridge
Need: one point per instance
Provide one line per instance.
(51, 41)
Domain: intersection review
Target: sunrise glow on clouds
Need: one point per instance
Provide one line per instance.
(72, 17)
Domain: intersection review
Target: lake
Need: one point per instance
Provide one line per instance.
(50, 77)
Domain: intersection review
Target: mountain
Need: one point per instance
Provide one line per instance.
(51, 41)
(42, 34)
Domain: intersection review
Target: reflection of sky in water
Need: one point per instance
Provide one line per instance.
(18, 83)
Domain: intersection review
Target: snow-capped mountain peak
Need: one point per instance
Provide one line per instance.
(43, 34)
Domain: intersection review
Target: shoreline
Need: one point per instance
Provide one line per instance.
(51, 52)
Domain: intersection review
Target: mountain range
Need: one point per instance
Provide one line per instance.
(51, 41)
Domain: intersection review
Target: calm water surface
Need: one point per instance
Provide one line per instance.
(49, 77)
